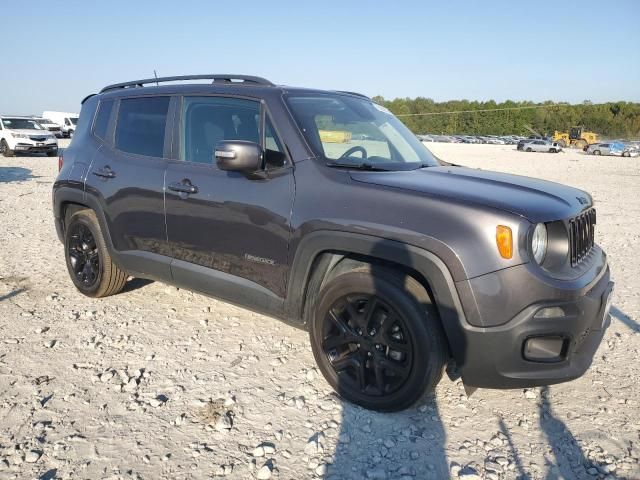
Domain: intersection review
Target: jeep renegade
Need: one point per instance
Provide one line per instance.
(322, 209)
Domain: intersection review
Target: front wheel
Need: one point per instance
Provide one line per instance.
(626, 154)
(377, 339)
(88, 261)
(5, 151)
(553, 150)
(529, 149)
(596, 152)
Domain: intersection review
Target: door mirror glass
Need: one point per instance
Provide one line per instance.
(238, 156)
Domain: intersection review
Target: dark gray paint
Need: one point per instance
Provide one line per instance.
(254, 240)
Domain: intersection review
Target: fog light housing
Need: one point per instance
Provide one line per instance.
(550, 312)
(545, 349)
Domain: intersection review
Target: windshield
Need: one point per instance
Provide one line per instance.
(349, 130)
(21, 124)
(74, 120)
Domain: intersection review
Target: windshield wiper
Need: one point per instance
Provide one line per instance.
(357, 166)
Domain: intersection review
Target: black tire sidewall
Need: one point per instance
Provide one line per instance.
(90, 224)
(425, 367)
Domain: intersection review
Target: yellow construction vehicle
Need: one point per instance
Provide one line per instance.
(577, 137)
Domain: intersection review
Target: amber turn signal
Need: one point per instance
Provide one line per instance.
(504, 240)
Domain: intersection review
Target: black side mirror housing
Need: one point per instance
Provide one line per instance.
(239, 156)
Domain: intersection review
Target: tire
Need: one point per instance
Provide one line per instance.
(626, 154)
(553, 150)
(5, 150)
(596, 152)
(84, 238)
(362, 366)
(528, 149)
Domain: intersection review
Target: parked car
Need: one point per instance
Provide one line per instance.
(541, 146)
(617, 149)
(49, 125)
(25, 135)
(67, 121)
(227, 188)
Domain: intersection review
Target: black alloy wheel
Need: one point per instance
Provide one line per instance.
(83, 255)
(367, 344)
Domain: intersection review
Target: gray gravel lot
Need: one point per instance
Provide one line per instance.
(158, 382)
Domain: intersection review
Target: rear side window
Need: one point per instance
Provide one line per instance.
(141, 125)
(102, 119)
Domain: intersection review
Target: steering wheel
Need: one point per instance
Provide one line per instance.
(353, 150)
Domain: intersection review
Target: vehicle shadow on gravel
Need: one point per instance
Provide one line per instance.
(400, 445)
(625, 319)
(15, 174)
(569, 459)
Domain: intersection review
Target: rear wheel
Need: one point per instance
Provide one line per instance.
(88, 261)
(5, 151)
(626, 154)
(596, 152)
(553, 150)
(377, 338)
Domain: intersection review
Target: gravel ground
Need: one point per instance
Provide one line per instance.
(158, 382)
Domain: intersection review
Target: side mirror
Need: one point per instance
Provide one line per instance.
(238, 156)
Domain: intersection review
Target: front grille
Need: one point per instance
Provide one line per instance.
(38, 139)
(581, 235)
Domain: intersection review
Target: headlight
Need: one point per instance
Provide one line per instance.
(539, 243)
(19, 135)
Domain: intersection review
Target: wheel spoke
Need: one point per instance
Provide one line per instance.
(350, 360)
(397, 345)
(379, 375)
(334, 341)
(339, 322)
(395, 367)
(369, 313)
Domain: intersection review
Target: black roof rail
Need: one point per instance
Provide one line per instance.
(217, 78)
(353, 93)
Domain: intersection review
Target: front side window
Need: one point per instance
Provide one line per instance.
(349, 130)
(209, 120)
(141, 125)
(102, 119)
(74, 120)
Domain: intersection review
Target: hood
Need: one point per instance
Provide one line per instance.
(536, 200)
(32, 132)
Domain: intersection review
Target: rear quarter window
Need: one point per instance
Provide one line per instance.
(141, 124)
(102, 119)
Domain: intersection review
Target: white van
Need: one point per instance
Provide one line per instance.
(66, 120)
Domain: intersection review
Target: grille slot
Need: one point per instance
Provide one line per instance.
(581, 235)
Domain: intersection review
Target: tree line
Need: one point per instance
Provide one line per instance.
(611, 120)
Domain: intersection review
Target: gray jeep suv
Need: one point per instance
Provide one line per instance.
(322, 209)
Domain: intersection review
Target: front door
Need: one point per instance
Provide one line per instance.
(228, 233)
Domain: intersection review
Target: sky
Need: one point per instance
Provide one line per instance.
(57, 53)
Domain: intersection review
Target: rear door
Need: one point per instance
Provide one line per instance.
(127, 177)
(230, 236)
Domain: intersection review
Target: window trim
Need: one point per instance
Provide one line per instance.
(167, 127)
(176, 147)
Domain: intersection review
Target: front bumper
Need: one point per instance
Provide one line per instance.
(36, 147)
(528, 351)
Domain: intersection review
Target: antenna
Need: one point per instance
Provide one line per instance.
(156, 75)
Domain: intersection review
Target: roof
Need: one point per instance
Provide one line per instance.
(243, 85)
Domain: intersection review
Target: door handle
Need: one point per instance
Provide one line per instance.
(105, 172)
(183, 187)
